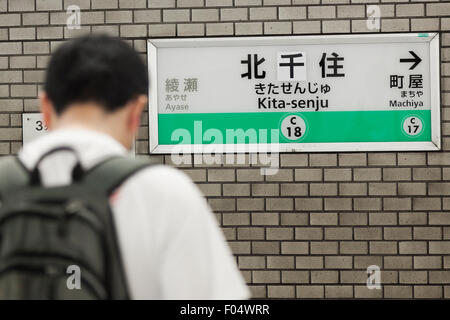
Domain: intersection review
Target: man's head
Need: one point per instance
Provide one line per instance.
(96, 81)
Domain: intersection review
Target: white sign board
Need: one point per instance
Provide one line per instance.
(304, 93)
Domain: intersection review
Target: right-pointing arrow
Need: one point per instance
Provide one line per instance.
(416, 60)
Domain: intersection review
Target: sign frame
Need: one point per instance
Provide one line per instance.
(434, 52)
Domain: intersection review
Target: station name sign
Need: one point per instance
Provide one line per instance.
(373, 92)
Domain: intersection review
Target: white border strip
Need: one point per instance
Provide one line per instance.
(435, 94)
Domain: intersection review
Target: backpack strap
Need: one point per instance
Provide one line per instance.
(13, 174)
(111, 173)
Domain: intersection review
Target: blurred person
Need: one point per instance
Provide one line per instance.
(163, 241)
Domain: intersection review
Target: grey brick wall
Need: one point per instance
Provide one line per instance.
(311, 230)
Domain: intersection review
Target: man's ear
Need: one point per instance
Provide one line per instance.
(137, 106)
(47, 110)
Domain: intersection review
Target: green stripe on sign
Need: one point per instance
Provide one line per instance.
(329, 126)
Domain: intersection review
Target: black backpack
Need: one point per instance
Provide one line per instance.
(60, 242)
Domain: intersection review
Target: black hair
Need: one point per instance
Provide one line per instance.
(95, 68)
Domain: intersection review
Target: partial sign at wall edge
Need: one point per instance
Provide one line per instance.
(416, 127)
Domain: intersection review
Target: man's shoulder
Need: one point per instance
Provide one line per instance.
(161, 172)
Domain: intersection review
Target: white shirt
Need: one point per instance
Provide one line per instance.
(171, 245)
